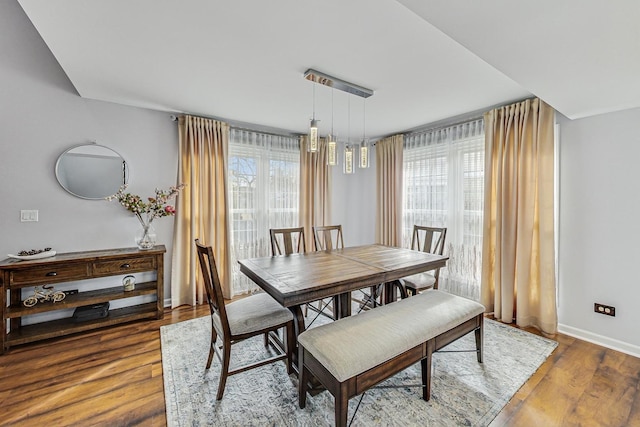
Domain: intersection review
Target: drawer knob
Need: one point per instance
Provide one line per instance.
(51, 273)
(125, 266)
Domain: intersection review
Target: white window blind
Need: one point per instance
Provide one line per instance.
(264, 182)
(444, 187)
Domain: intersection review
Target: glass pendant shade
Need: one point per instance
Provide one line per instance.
(363, 158)
(332, 151)
(313, 136)
(349, 159)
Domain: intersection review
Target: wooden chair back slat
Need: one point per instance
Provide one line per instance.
(429, 239)
(291, 239)
(327, 237)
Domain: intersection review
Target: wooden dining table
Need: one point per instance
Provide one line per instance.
(296, 279)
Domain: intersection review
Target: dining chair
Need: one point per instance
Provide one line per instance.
(248, 317)
(431, 240)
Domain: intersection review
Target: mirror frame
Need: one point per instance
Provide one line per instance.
(125, 171)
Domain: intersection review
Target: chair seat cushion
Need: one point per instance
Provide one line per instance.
(352, 345)
(420, 281)
(253, 313)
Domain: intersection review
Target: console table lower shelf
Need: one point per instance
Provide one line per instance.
(66, 326)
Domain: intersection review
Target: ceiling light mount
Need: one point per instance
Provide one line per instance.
(336, 83)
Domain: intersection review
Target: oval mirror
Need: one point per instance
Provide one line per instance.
(91, 171)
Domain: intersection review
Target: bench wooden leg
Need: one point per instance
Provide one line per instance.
(425, 365)
(341, 406)
(302, 380)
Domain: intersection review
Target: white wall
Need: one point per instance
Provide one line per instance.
(41, 115)
(353, 203)
(600, 228)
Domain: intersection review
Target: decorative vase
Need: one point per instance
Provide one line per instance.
(146, 237)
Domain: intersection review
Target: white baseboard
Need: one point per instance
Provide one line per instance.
(167, 302)
(630, 349)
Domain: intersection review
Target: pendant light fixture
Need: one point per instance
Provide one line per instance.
(349, 150)
(363, 158)
(312, 146)
(332, 144)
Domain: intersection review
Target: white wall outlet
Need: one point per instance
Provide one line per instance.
(29, 216)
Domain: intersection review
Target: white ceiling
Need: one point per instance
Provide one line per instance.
(426, 60)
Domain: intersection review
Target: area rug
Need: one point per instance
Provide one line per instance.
(463, 391)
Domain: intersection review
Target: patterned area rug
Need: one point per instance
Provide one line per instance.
(463, 391)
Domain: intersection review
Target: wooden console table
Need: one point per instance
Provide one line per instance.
(77, 266)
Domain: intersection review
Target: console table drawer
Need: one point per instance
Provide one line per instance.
(122, 266)
(50, 274)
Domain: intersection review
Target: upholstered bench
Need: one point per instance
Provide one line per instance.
(353, 354)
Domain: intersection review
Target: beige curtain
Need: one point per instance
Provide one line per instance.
(389, 191)
(518, 256)
(202, 207)
(315, 181)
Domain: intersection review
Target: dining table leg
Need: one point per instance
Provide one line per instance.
(313, 385)
(298, 327)
(298, 320)
(342, 305)
(389, 293)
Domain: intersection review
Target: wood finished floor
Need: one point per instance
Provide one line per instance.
(114, 377)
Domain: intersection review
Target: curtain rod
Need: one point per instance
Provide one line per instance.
(458, 120)
(443, 125)
(244, 127)
(287, 135)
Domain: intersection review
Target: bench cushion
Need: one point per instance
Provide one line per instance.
(352, 345)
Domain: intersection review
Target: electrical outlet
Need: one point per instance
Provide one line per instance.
(604, 309)
(28, 216)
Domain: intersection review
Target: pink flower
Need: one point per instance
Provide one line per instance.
(154, 207)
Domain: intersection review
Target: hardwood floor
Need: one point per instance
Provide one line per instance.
(580, 384)
(114, 377)
(107, 377)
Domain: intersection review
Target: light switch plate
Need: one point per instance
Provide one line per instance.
(29, 216)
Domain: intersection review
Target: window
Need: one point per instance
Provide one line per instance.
(264, 181)
(443, 186)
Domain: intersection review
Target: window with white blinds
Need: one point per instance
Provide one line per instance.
(443, 186)
(264, 182)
